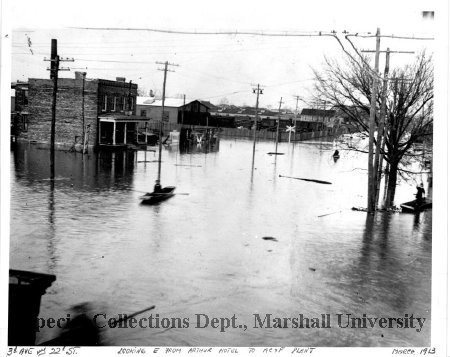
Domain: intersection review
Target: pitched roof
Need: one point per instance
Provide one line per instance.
(207, 104)
(318, 112)
(144, 100)
(168, 102)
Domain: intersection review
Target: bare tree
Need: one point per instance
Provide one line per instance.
(224, 101)
(409, 106)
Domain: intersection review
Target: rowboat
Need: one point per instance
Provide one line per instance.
(414, 206)
(156, 197)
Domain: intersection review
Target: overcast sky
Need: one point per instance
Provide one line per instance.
(211, 67)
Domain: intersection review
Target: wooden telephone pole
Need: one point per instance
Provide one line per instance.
(381, 130)
(278, 124)
(373, 102)
(165, 69)
(258, 91)
(54, 69)
(84, 136)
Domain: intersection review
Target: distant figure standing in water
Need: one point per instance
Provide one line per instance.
(336, 153)
(420, 193)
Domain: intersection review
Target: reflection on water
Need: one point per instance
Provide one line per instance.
(204, 252)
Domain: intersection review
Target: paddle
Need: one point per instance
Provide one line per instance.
(305, 179)
(127, 317)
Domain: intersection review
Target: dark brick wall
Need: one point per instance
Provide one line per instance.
(119, 90)
(21, 99)
(68, 109)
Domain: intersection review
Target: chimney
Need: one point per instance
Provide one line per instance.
(120, 79)
(80, 75)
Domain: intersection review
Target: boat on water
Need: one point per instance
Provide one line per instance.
(156, 197)
(415, 206)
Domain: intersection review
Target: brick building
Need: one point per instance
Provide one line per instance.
(19, 107)
(108, 108)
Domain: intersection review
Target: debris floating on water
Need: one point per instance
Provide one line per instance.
(305, 179)
(389, 209)
(360, 209)
(270, 238)
(312, 269)
(188, 165)
(327, 214)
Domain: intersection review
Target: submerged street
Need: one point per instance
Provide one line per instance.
(202, 251)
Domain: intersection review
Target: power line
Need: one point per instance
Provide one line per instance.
(397, 37)
(250, 33)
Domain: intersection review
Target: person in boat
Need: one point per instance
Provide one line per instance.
(336, 153)
(420, 194)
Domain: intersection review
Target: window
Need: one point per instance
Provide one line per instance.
(143, 113)
(124, 103)
(24, 122)
(114, 104)
(105, 103)
(25, 97)
(131, 103)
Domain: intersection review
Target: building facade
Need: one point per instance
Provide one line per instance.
(89, 112)
(317, 119)
(151, 108)
(194, 112)
(19, 108)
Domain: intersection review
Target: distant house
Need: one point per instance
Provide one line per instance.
(194, 112)
(316, 119)
(151, 108)
(245, 116)
(142, 104)
(106, 107)
(208, 104)
(353, 117)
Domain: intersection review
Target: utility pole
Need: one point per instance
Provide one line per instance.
(381, 130)
(295, 117)
(182, 112)
(258, 91)
(83, 74)
(54, 69)
(373, 102)
(157, 187)
(278, 124)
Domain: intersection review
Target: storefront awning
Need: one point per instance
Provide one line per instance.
(120, 118)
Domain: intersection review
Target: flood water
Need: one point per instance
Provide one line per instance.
(203, 253)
